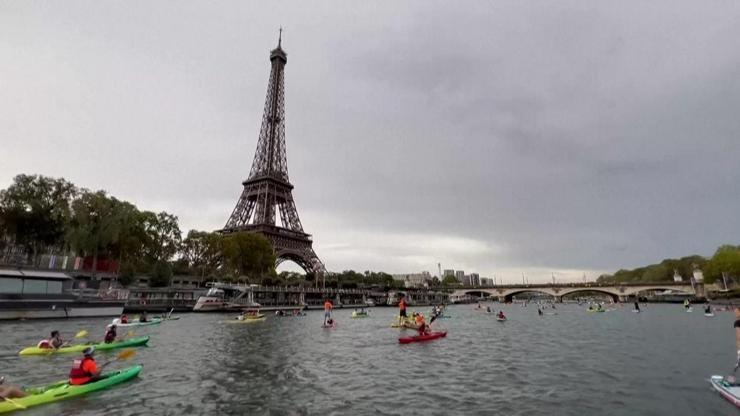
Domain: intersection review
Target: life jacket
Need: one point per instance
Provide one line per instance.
(77, 375)
(44, 343)
(419, 319)
(402, 305)
(327, 306)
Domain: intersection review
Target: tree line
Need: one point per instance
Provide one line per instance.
(726, 259)
(40, 215)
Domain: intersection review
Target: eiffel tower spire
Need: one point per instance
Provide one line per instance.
(267, 190)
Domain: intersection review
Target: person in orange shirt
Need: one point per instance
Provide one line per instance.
(327, 311)
(423, 327)
(402, 310)
(84, 370)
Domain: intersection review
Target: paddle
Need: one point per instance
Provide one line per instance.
(15, 403)
(170, 313)
(123, 355)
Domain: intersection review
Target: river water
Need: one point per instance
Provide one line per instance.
(573, 363)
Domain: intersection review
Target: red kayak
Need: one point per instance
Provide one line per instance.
(420, 338)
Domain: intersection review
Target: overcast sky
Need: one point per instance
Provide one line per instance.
(499, 137)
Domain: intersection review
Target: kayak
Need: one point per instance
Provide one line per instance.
(421, 338)
(636, 310)
(689, 310)
(118, 323)
(327, 326)
(131, 342)
(596, 310)
(728, 391)
(63, 390)
(360, 314)
(709, 315)
(500, 319)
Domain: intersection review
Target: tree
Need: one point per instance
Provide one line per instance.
(202, 251)
(449, 280)
(161, 274)
(34, 211)
(249, 255)
(725, 260)
(163, 236)
(95, 224)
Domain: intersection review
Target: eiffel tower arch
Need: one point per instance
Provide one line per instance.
(268, 194)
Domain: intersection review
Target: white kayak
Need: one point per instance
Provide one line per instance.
(636, 310)
(728, 391)
(117, 323)
(709, 315)
(689, 310)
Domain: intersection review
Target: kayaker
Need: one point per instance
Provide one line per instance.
(686, 304)
(84, 370)
(423, 327)
(402, 309)
(488, 309)
(501, 315)
(110, 334)
(539, 311)
(327, 310)
(55, 341)
(707, 309)
(143, 317)
(10, 391)
(124, 319)
(637, 306)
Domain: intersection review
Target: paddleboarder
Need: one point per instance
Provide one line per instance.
(402, 309)
(686, 304)
(637, 306)
(327, 310)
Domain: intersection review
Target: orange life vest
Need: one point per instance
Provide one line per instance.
(82, 371)
(327, 306)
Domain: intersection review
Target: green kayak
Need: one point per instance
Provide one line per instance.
(62, 390)
(131, 342)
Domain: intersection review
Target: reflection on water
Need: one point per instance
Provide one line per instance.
(573, 363)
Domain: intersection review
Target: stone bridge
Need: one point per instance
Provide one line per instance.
(618, 292)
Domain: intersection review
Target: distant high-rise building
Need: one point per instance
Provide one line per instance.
(474, 279)
(459, 275)
(466, 281)
(448, 272)
(485, 281)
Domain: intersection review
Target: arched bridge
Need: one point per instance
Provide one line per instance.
(616, 291)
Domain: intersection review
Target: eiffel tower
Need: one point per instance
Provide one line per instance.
(268, 190)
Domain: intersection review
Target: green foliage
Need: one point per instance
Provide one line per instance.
(126, 274)
(34, 211)
(202, 252)
(161, 274)
(248, 255)
(726, 259)
(661, 272)
(450, 280)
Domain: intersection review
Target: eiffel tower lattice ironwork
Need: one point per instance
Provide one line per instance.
(267, 190)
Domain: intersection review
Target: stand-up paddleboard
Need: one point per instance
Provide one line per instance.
(689, 310)
(709, 315)
(327, 326)
(729, 391)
